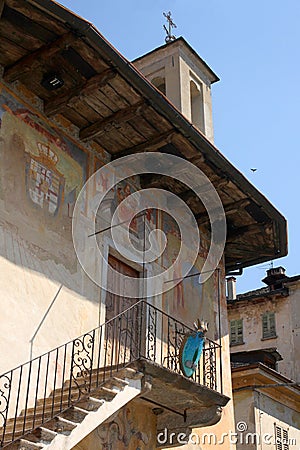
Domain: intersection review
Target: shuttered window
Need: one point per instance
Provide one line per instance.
(268, 325)
(236, 331)
(281, 438)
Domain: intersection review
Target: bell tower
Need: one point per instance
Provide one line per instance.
(184, 78)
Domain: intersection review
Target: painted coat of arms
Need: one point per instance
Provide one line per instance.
(44, 183)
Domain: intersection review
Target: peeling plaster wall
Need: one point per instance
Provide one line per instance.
(265, 412)
(46, 298)
(287, 318)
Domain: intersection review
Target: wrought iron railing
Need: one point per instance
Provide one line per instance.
(34, 393)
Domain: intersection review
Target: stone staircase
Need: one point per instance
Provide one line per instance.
(61, 425)
(58, 398)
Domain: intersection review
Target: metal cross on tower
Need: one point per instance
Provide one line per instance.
(170, 37)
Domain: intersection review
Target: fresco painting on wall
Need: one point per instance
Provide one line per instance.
(44, 170)
(44, 183)
(188, 300)
(171, 230)
(100, 182)
(115, 196)
(122, 431)
(123, 190)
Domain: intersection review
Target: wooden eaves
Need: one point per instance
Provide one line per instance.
(113, 105)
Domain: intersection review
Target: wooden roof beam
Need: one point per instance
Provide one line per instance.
(57, 104)
(248, 230)
(204, 187)
(230, 208)
(157, 140)
(28, 62)
(103, 125)
(155, 180)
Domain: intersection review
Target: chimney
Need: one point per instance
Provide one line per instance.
(274, 277)
(231, 288)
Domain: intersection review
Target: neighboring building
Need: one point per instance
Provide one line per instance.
(265, 323)
(104, 370)
(264, 337)
(266, 408)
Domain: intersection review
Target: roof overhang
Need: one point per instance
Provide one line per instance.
(115, 108)
(182, 43)
(261, 378)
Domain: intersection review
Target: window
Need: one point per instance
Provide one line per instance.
(268, 325)
(197, 107)
(281, 438)
(236, 332)
(160, 84)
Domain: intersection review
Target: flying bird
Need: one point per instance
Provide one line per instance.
(253, 170)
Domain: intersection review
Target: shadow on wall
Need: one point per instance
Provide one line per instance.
(41, 175)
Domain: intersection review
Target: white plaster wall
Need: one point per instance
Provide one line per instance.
(294, 299)
(269, 412)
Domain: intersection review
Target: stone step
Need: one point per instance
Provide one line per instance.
(101, 375)
(64, 422)
(90, 404)
(63, 394)
(23, 444)
(37, 416)
(31, 419)
(101, 392)
(47, 432)
(39, 436)
(35, 420)
(74, 414)
(61, 400)
(115, 382)
(60, 425)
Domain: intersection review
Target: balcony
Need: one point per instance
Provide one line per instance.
(142, 339)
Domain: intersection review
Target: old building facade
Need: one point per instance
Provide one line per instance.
(264, 339)
(84, 365)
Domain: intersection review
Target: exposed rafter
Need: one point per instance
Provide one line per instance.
(57, 104)
(187, 149)
(28, 62)
(155, 180)
(247, 230)
(103, 125)
(158, 140)
(229, 209)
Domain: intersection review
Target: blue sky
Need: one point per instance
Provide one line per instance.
(253, 46)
